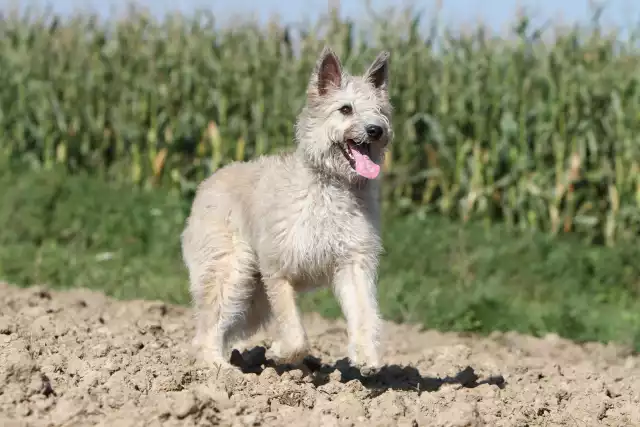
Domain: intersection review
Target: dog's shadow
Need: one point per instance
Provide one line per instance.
(394, 377)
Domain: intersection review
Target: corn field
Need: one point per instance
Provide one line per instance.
(539, 129)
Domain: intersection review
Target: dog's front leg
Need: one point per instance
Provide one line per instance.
(355, 288)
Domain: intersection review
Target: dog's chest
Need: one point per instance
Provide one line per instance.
(323, 230)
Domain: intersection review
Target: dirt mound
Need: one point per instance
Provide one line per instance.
(79, 358)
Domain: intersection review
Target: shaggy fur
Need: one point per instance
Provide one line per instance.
(263, 230)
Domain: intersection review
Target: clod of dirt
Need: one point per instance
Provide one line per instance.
(78, 358)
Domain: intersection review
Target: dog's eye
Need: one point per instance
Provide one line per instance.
(346, 109)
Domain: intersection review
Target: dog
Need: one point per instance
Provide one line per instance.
(262, 231)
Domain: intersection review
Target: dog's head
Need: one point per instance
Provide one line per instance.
(345, 125)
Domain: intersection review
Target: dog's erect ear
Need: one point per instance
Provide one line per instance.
(328, 72)
(378, 72)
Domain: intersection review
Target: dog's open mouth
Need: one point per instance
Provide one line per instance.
(358, 156)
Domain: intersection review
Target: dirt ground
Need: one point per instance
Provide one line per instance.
(79, 358)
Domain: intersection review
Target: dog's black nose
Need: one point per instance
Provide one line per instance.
(374, 131)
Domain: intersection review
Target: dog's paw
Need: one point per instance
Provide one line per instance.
(367, 366)
(283, 354)
(369, 370)
(362, 356)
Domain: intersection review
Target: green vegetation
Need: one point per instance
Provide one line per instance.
(78, 230)
(501, 145)
(81, 231)
(536, 134)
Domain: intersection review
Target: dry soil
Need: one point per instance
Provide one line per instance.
(79, 358)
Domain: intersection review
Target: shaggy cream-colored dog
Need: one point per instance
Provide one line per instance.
(263, 230)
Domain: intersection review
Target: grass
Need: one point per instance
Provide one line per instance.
(71, 231)
(78, 230)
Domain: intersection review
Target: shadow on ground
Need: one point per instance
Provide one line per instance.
(394, 377)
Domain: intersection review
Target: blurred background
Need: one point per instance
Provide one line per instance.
(496, 14)
(511, 195)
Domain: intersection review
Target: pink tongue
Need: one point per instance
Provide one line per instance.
(364, 165)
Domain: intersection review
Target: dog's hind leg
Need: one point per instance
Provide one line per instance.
(222, 288)
(258, 313)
